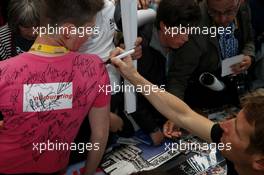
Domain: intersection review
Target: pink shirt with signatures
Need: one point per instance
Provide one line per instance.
(44, 101)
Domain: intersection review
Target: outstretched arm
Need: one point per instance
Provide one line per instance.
(170, 106)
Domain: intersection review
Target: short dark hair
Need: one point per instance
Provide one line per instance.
(175, 12)
(77, 12)
(253, 108)
(23, 13)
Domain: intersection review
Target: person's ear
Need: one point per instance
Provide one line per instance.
(258, 164)
(66, 30)
(162, 26)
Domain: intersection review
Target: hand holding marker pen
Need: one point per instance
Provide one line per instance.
(121, 56)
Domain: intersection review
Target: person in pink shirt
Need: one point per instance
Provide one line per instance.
(47, 92)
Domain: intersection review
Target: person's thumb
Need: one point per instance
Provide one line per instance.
(116, 52)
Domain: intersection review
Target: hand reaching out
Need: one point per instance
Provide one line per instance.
(170, 130)
(143, 4)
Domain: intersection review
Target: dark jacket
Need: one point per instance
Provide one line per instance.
(257, 11)
(152, 66)
(202, 53)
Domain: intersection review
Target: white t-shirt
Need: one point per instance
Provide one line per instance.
(102, 44)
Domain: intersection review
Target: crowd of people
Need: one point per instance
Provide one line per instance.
(50, 83)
